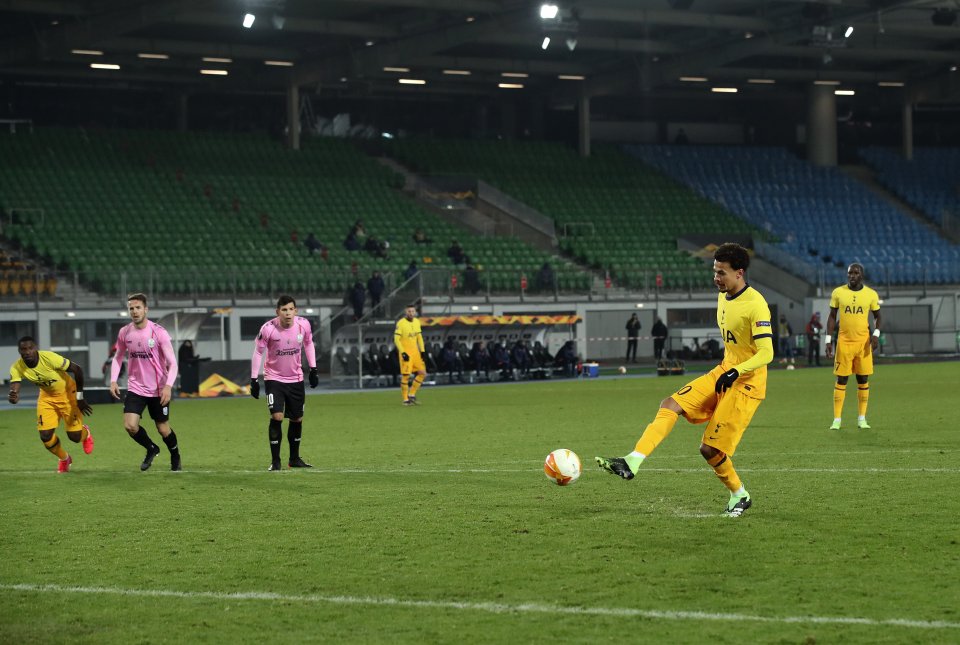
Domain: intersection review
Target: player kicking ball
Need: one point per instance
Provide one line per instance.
(61, 397)
(726, 397)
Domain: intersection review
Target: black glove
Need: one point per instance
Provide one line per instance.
(405, 356)
(255, 388)
(726, 380)
(314, 377)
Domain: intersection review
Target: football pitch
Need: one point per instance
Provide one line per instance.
(435, 524)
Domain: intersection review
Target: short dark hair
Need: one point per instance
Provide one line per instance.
(285, 300)
(138, 296)
(26, 339)
(863, 271)
(734, 255)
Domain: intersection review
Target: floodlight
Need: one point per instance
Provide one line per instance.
(549, 11)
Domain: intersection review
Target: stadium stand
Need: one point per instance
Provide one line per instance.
(208, 213)
(612, 213)
(930, 182)
(823, 219)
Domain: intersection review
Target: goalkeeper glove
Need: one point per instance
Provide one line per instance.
(405, 356)
(726, 380)
(314, 379)
(255, 388)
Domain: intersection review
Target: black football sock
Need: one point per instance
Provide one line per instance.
(171, 441)
(144, 440)
(294, 430)
(276, 435)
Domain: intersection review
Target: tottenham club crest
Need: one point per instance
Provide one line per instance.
(151, 343)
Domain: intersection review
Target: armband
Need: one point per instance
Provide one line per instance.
(827, 339)
(876, 333)
(79, 396)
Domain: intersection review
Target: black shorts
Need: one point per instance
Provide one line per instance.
(285, 397)
(135, 403)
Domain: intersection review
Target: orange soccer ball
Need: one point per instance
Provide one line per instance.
(562, 466)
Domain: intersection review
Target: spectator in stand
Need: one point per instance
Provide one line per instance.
(351, 243)
(375, 247)
(376, 287)
(455, 253)
(294, 236)
(358, 295)
(411, 270)
(419, 237)
(312, 243)
(545, 277)
(359, 231)
(471, 279)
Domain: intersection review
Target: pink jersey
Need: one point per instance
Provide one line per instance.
(283, 348)
(150, 359)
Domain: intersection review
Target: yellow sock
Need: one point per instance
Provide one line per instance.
(863, 395)
(723, 466)
(404, 386)
(54, 446)
(417, 382)
(657, 431)
(839, 392)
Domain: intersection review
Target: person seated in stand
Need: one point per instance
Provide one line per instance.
(312, 243)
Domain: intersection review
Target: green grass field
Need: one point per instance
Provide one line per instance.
(436, 523)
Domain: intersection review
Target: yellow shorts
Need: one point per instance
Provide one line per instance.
(53, 407)
(414, 365)
(726, 415)
(853, 358)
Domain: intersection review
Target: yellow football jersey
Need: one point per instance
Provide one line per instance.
(407, 336)
(853, 309)
(743, 319)
(49, 374)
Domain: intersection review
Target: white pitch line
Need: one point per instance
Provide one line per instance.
(489, 607)
(534, 468)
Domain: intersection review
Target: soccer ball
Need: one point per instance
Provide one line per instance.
(622, 369)
(790, 367)
(562, 466)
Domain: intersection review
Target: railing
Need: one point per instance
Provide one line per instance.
(518, 210)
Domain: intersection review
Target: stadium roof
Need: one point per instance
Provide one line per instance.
(597, 47)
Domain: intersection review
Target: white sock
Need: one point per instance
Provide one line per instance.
(861, 418)
(637, 454)
(836, 419)
(741, 492)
